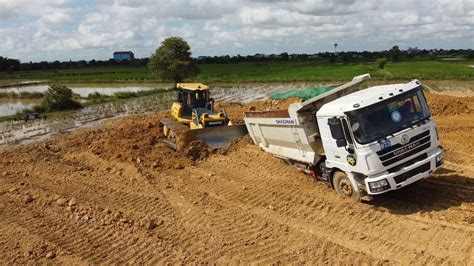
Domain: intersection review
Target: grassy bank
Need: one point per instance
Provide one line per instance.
(95, 98)
(263, 72)
(21, 95)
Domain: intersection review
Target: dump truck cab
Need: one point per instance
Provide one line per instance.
(383, 137)
(195, 108)
(359, 141)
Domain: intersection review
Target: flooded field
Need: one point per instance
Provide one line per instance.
(84, 89)
(13, 132)
(12, 106)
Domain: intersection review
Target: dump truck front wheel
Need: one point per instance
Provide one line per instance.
(344, 186)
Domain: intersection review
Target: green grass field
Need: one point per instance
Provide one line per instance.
(262, 72)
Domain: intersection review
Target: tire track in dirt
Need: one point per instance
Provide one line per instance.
(243, 230)
(135, 206)
(362, 218)
(101, 237)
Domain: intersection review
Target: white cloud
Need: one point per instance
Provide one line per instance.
(56, 18)
(63, 29)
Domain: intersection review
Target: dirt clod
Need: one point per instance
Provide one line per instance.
(61, 201)
(148, 224)
(28, 199)
(72, 202)
(197, 150)
(51, 255)
(118, 215)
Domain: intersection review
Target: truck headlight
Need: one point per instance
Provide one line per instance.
(439, 159)
(379, 186)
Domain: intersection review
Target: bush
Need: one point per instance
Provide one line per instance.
(125, 94)
(95, 95)
(382, 62)
(387, 75)
(58, 98)
(38, 109)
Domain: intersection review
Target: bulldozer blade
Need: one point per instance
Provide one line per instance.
(215, 137)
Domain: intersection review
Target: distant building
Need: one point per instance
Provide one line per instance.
(123, 55)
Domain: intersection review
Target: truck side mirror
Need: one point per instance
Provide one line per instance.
(337, 133)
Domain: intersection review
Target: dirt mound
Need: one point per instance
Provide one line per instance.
(197, 150)
(448, 105)
(237, 144)
(73, 199)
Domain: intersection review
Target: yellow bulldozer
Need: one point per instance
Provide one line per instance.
(194, 118)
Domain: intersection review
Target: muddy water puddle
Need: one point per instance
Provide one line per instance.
(16, 132)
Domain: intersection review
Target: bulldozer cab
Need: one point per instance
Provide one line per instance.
(194, 96)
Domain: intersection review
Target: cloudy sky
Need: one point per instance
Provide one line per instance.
(82, 29)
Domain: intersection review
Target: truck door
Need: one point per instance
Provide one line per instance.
(341, 145)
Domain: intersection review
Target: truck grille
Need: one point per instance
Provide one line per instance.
(397, 168)
(420, 169)
(399, 152)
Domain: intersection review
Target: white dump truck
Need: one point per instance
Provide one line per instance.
(359, 141)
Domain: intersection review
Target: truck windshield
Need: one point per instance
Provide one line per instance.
(387, 117)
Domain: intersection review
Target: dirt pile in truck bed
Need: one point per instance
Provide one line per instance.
(116, 194)
(235, 110)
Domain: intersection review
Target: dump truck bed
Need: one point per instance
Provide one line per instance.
(284, 136)
(293, 134)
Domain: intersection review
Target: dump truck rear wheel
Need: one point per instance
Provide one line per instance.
(343, 186)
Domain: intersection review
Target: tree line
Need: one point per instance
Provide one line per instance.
(393, 54)
(10, 65)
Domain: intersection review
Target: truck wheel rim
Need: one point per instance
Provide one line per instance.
(345, 187)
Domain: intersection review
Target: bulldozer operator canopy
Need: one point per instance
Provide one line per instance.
(192, 86)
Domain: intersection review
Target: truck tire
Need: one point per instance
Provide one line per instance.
(344, 187)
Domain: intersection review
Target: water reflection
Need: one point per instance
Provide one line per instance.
(12, 106)
(82, 91)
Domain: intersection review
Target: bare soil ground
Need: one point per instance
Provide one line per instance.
(116, 194)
